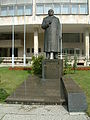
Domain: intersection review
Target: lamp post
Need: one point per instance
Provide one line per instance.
(61, 43)
(13, 38)
(24, 38)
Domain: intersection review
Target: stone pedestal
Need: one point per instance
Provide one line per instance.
(52, 69)
(75, 97)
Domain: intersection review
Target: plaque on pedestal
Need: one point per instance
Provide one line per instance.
(52, 69)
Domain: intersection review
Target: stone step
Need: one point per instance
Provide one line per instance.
(36, 101)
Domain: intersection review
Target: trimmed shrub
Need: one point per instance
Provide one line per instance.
(37, 64)
(3, 94)
(66, 62)
(75, 63)
(1, 60)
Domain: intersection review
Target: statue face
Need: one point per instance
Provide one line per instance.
(50, 12)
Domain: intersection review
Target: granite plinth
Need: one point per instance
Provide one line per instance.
(75, 97)
(52, 69)
(35, 90)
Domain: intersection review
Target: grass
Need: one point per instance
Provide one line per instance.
(11, 79)
(82, 78)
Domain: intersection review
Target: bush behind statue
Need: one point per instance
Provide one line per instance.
(1, 60)
(3, 94)
(37, 65)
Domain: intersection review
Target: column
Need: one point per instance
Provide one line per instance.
(35, 42)
(87, 45)
(89, 6)
(34, 8)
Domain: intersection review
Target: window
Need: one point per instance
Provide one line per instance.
(77, 52)
(20, 10)
(65, 51)
(82, 52)
(28, 50)
(57, 9)
(71, 37)
(39, 50)
(65, 9)
(11, 10)
(28, 10)
(32, 50)
(74, 9)
(72, 51)
(83, 9)
(39, 9)
(47, 7)
(4, 11)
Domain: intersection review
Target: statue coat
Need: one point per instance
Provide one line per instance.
(52, 34)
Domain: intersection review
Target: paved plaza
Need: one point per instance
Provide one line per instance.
(38, 112)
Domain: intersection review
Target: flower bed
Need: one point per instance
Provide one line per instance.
(20, 68)
(82, 68)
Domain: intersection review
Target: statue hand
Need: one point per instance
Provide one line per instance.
(49, 22)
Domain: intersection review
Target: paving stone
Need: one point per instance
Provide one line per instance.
(1, 115)
(19, 117)
(38, 112)
(75, 117)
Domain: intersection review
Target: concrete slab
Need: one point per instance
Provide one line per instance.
(1, 116)
(19, 117)
(37, 112)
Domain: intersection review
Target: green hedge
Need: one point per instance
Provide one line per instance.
(3, 94)
(37, 65)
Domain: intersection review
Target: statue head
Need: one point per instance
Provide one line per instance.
(50, 12)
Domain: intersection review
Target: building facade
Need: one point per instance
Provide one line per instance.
(21, 34)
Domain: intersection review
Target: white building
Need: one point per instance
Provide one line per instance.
(20, 27)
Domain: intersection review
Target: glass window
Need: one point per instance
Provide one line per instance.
(65, 9)
(39, 9)
(20, 10)
(83, 9)
(4, 11)
(11, 11)
(65, 50)
(28, 10)
(71, 51)
(74, 9)
(78, 51)
(57, 9)
(39, 50)
(79, 1)
(28, 50)
(47, 7)
(32, 50)
(83, 52)
(71, 37)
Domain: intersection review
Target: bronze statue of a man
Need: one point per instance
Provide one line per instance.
(52, 35)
